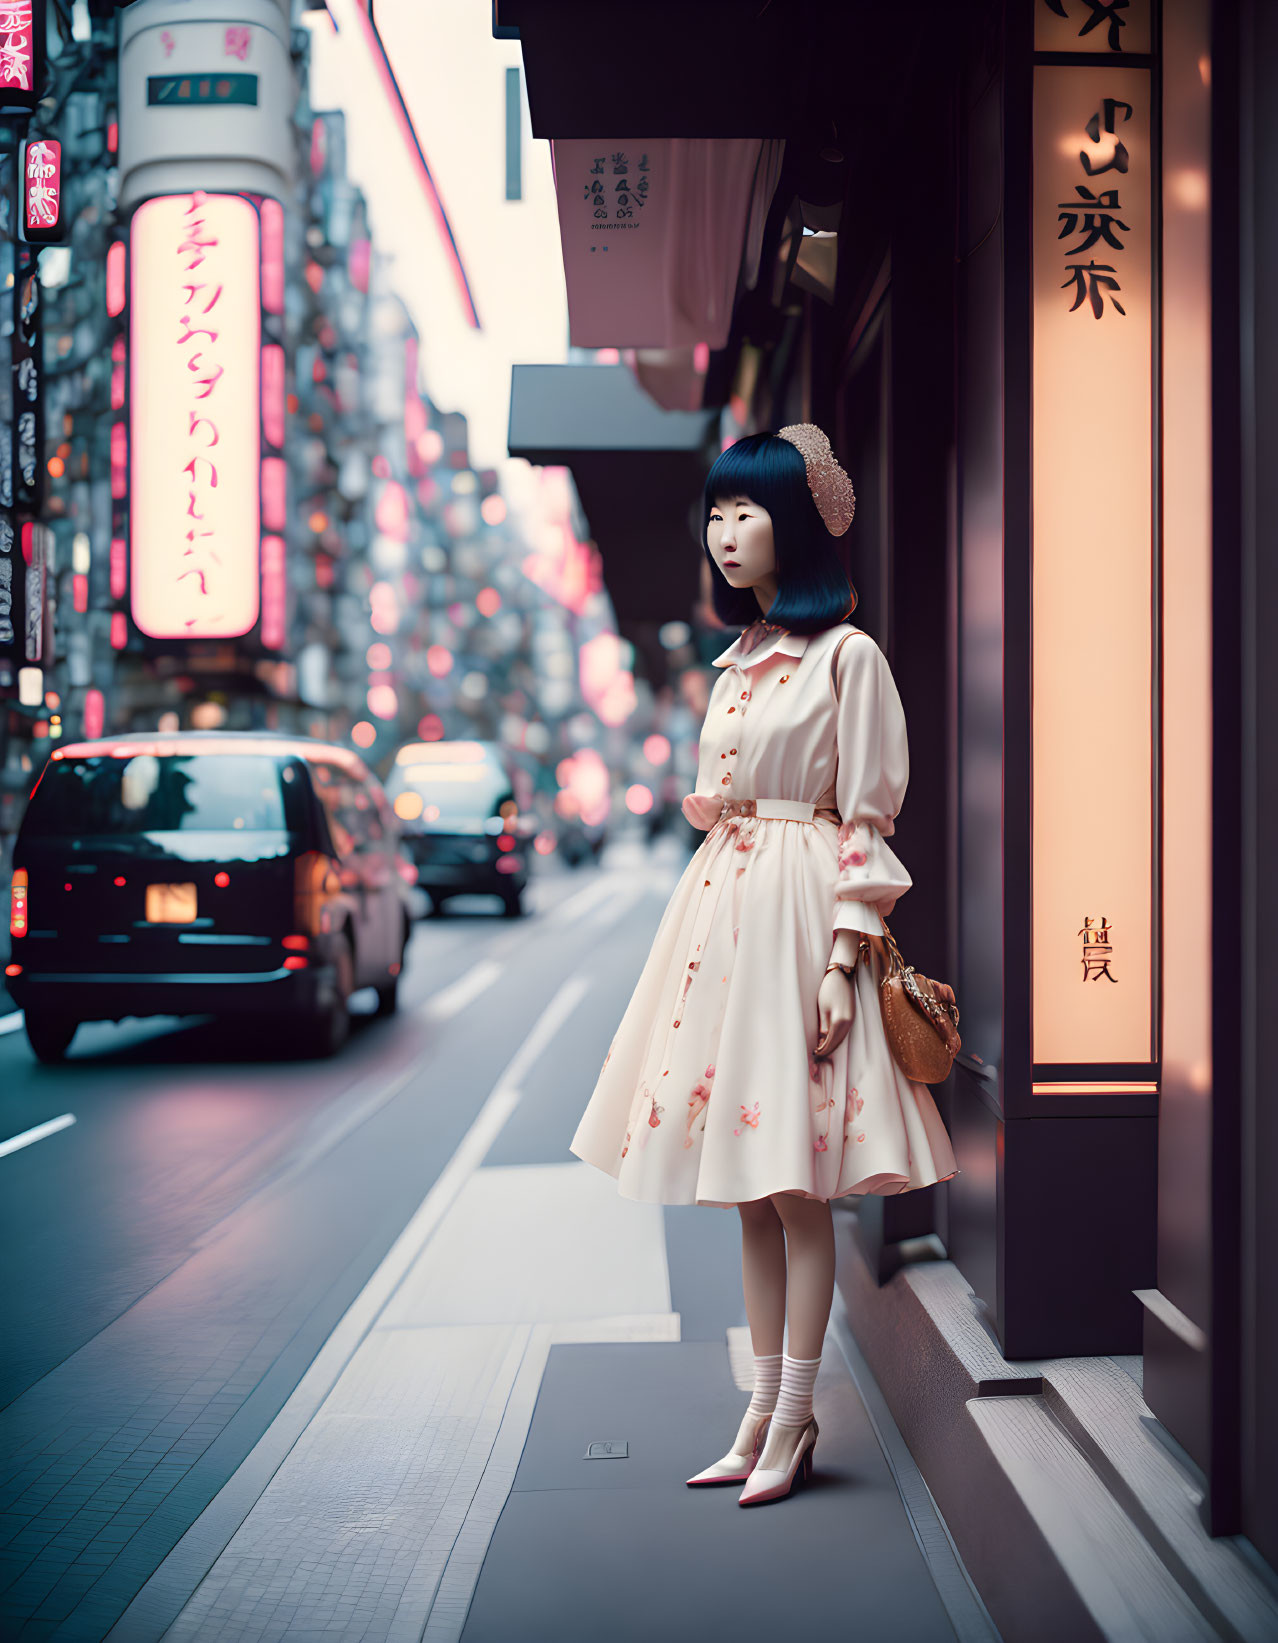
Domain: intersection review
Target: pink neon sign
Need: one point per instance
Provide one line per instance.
(273, 256)
(273, 592)
(274, 495)
(195, 340)
(42, 190)
(115, 278)
(273, 395)
(94, 713)
(18, 26)
(119, 568)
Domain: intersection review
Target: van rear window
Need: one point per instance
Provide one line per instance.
(169, 793)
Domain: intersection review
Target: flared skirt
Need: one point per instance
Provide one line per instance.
(710, 1092)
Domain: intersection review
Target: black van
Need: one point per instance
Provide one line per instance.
(220, 872)
(462, 827)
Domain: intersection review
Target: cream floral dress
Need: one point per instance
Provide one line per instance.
(710, 1092)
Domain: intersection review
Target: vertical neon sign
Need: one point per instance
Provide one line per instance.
(41, 191)
(21, 54)
(195, 341)
(1094, 814)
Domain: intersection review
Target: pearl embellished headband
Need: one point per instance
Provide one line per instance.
(830, 486)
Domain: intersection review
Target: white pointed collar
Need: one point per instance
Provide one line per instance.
(746, 652)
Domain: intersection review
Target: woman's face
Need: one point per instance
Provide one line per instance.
(739, 535)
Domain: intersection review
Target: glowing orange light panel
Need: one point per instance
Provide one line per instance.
(1093, 568)
(195, 338)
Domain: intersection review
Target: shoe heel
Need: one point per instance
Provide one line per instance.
(805, 1465)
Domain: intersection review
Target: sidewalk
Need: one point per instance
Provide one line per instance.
(428, 1478)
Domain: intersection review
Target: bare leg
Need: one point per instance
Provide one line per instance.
(809, 1240)
(763, 1274)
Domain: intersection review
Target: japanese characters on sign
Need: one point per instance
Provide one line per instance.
(1093, 686)
(1094, 214)
(1101, 28)
(194, 446)
(196, 90)
(21, 54)
(28, 399)
(1098, 950)
(37, 556)
(617, 188)
(12, 596)
(41, 191)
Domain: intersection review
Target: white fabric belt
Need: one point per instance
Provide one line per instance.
(773, 809)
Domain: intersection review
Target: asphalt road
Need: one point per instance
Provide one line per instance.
(176, 1256)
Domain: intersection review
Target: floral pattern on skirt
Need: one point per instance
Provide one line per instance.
(720, 1033)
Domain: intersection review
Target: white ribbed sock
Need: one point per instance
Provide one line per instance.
(767, 1380)
(794, 1399)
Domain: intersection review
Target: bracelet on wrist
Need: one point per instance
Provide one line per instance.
(848, 969)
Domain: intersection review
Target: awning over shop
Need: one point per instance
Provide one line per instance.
(714, 68)
(638, 472)
(657, 232)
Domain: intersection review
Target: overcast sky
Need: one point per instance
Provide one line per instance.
(453, 76)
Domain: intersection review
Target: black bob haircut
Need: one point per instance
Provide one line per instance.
(813, 590)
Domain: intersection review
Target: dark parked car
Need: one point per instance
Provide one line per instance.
(461, 822)
(225, 873)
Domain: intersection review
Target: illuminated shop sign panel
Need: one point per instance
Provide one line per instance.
(41, 191)
(1105, 28)
(1093, 570)
(196, 90)
(22, 25)
(195, 353)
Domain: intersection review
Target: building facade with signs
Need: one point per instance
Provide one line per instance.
(251, 514)
(1014, 265)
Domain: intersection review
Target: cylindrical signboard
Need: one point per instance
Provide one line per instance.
(206, 98)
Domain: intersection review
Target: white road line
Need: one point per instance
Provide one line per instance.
(463, 991)
(37, 1134)
(578, 903)
(10, 1023)
(616, 907)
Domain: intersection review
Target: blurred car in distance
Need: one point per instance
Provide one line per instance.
(205, 872)
(462, 826)
(579, 842)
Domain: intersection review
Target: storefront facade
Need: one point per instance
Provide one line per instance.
(1038, 328)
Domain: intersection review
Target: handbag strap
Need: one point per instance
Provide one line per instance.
(897, 964)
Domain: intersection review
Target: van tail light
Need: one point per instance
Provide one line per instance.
(314, 882)
(18, 903)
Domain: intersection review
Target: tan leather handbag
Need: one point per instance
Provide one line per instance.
(920, 1016)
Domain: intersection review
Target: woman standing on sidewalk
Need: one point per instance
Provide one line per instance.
(750, 1069)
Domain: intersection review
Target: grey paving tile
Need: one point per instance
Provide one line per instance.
(372, 1496)
(623, 1550)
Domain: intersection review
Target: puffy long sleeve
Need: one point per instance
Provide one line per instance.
(873, 771)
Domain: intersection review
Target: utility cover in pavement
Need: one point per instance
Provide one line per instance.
(612, 1449)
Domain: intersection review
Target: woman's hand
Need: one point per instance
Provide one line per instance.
(836, 1010)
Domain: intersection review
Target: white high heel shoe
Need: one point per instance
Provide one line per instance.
(740, 1460)
(792, 1447)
